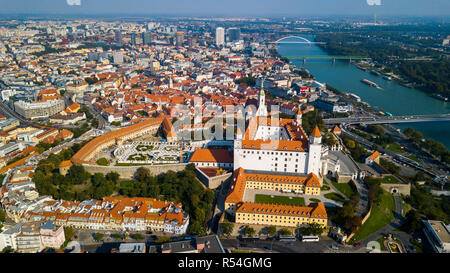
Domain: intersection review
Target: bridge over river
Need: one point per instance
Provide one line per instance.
(388, 120)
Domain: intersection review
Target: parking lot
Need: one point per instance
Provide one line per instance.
(274, 246)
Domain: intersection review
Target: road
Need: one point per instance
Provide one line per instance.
(386, 120)
(101, 120)
(322, 246)
(391, 227)
(402, 159)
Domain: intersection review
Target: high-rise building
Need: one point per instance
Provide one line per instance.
(146, 38)
(234, 34)
(118, 37)
(220, 36)
(133, 38)
(118, 57)
(191, 41)
(179, 38)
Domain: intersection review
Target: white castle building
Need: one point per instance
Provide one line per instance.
(277, 145)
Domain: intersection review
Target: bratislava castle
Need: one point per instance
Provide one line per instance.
(277, 145)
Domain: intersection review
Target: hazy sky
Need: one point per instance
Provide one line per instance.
(229, 7)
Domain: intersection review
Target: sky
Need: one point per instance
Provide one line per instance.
(229, 7)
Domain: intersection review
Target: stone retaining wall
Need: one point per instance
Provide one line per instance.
(127, 172)
(212, 182)
(404, 189)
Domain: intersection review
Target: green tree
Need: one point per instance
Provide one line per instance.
(102, 162)
(68, 233)
(142, 173)
(98, 236)
(413, 222)
(249, 231)
(226, 228)
(350, 143)
(285, 232)
(138, 237)
(271, 231)
(7, 249)
(314, 229)
(162, 239)
(2, 215)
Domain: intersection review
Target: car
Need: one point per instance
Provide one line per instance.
(268, 247)
(290, 244)
(357, 244)
(334, 247)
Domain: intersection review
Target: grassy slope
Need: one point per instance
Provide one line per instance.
(379, 217)
(282, 200)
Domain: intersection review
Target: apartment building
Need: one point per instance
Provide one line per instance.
(42, 109)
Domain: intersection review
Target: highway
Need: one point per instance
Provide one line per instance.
(387, 120)
(400, 158)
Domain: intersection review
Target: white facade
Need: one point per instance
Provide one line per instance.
(271, 160)
(262, 108)
(220, 36)
(277, 159)
(8, 237)
(315, 151)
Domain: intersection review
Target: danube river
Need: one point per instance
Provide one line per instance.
(392, 97)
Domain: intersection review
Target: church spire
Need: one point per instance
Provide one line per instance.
(262, 109)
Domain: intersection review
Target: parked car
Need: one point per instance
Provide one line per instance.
(357, 244)
(268, 248)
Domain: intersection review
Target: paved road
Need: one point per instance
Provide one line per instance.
(390, 228)
(283, 247)
(395, 155)
(385, 120)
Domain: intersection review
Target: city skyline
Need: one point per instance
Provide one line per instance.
(228, 8)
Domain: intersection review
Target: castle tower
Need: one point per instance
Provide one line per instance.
(299, 116)
(315, 150)
(239, 134)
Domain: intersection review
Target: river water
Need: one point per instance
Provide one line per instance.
(392, 97)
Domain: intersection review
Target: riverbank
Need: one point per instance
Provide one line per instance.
(411, 70)
(392, 97)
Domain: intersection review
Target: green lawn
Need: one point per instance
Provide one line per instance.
(413, 157)
(314, 200)
(395, 147)
(345, 188)
(335, 196)
(379, 217)
(281, 200)
(388, 179)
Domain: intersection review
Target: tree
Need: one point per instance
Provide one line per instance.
(356, 222)
(285, 232)
(226, 228)
(408, 131)
(314, 229)
(2, 215)
(138, 237)
(98, 236)
(68, 233)
(142, 173)
(413, 222)
(162, 239)
(249, 231)
(113, 176)
(102, 162)
(271, 231)
(350, 144)
(7, 249)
